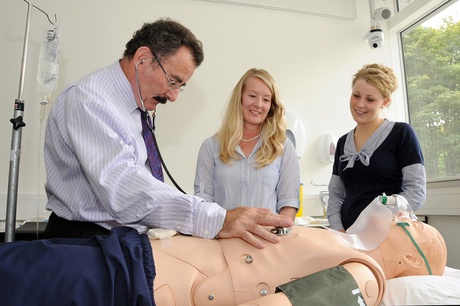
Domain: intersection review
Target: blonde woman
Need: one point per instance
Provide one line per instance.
(250, 161)
(377, 156)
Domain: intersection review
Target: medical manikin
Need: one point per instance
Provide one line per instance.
(311, 264)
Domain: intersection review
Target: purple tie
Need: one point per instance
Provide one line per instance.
(152, 152)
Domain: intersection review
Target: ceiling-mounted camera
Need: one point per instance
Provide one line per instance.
(375, 35)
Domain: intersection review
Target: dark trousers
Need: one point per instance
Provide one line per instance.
(105, 270)
(58, 227)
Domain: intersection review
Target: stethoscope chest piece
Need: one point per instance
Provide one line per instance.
(281, 231)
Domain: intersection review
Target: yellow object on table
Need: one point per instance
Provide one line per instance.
(300, 211)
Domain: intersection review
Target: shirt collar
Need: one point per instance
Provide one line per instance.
(376, 139)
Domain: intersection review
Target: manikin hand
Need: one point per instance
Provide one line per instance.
(248, 224)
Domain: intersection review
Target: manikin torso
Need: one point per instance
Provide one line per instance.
(195, 271)
(380, 245)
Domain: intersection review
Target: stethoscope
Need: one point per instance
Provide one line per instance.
(151, 126)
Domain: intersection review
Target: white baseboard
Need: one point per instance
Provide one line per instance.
(441, 202)
(28, 207)
(444, 201)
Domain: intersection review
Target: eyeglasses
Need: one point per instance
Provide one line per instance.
(172, 85)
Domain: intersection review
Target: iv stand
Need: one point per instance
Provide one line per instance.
(18, 124)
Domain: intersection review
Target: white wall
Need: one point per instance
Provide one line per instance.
(311, 57)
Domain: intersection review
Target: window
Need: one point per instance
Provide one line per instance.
(431, 60)
(402, 4)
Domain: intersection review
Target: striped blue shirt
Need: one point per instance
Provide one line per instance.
(242, 183)
(95, 160)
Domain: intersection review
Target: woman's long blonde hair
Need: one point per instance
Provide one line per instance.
(273, 129)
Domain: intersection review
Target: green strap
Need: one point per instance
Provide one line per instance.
(403, 225)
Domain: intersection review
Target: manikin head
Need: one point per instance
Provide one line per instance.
(399, 256)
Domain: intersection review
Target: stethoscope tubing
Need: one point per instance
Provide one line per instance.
(152, 130)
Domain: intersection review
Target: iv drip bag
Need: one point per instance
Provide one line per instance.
(48, 64)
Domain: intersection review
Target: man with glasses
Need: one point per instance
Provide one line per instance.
(97, 165)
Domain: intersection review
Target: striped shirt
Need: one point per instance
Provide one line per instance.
(242, 183)
(95, 160)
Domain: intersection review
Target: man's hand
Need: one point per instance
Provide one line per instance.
(248, 224)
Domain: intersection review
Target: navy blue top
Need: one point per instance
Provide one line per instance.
(113, 270)
(383, 175)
